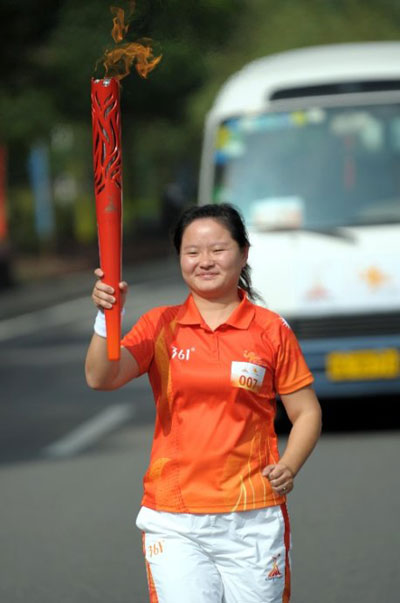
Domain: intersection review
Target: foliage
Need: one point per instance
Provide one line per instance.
(50, 55)
(25, 102)
(268, 27)
(51, 48)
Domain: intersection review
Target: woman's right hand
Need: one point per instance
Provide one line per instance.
(103, 295)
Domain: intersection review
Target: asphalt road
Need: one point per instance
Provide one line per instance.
(44, 395)
(72, 460)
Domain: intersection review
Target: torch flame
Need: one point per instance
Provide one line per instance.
(118, 61)
(119, 29)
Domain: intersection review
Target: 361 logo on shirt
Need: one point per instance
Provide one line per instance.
(181, 353)
(247, 375)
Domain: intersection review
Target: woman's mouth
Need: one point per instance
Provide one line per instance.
(207, 275)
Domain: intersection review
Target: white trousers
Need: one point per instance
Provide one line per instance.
(217, 558)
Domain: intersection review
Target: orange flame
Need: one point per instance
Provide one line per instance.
(118, 61)
(119, 29)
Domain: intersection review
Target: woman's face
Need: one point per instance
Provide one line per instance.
(211, 261)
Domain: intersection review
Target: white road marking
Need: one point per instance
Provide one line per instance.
(44, 356)
(90, 432)
(81, 308)
(59, 314)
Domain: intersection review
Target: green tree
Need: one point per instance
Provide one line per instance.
(267, 26)
(51, 48)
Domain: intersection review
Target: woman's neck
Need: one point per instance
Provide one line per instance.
(216, 311)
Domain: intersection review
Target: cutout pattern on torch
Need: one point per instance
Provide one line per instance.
(107, 160)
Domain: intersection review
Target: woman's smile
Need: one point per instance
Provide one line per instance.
(207, 275)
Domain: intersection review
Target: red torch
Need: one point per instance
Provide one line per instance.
(107, 164)
(107, 161)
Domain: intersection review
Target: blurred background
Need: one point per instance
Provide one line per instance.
(49, 53)
(71, 459)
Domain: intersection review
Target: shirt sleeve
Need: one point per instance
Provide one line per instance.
(140, 342)
(291, 370)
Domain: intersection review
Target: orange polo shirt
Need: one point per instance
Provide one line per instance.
(215, 399)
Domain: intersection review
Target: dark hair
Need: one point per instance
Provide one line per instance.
(231, 219)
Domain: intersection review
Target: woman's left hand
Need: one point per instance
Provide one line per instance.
(280, 477)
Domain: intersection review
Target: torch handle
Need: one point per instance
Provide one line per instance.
(109, 234)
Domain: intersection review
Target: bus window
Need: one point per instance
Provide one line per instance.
(318, 168)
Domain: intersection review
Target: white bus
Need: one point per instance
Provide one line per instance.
(306, 143)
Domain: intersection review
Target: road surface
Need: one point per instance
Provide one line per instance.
(72, 460)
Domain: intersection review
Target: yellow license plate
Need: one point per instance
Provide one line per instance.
(362, 365)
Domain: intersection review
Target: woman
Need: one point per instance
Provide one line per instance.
(214, 519)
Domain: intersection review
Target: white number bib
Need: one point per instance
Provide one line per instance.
(247, 375)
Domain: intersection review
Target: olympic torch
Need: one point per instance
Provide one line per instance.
(107, 165)
(107, 158)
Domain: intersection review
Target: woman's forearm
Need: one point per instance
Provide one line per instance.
(302, 439)
(101, 373)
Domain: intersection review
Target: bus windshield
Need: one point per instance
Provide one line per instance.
(314, 168)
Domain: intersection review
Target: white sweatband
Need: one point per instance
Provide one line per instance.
(100, 323)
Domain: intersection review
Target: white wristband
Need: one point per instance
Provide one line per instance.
(100, 323)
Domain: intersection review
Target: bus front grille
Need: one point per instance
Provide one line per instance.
(387, 323)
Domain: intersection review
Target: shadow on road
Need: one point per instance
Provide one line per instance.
(348, 415)
(375, 413)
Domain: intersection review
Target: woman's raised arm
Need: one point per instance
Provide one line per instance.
(102, 373)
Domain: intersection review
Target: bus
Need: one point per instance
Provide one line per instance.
(306, 144)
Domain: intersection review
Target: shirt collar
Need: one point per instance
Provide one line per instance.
(240, 318)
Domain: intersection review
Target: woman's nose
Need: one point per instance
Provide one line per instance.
(206, 259)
